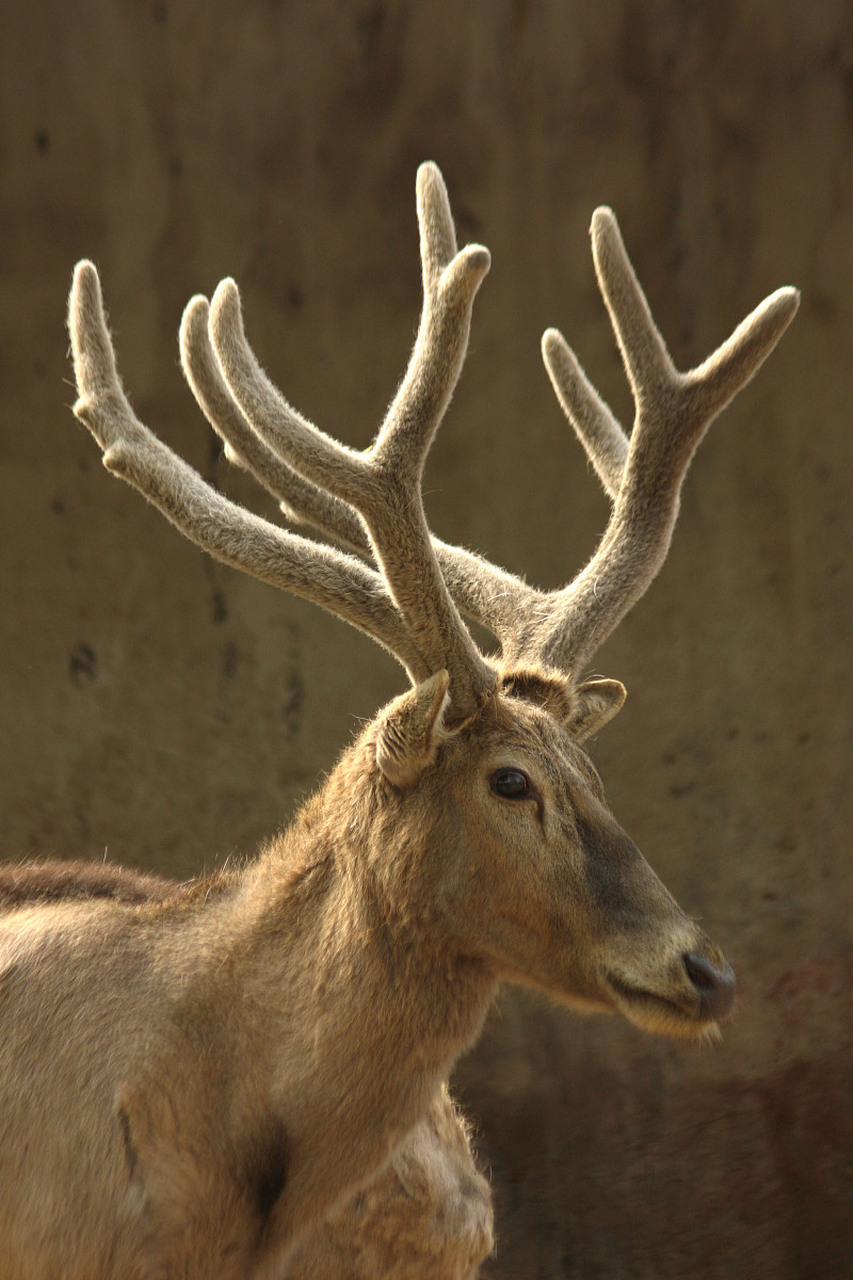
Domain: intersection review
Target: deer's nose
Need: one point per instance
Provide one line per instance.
(715, 987)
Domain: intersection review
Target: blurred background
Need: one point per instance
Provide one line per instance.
(163, 711)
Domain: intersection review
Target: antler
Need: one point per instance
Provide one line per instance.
(643, 475)
(408, 608)
(384, 482)
(338, 582)
(480, 590)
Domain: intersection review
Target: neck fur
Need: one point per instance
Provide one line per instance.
(377, 1005)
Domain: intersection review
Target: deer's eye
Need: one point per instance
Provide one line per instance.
(512, 784)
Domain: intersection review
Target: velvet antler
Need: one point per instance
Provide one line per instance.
(340, 583)
(406, 606)
(384, 482)
(642, 473)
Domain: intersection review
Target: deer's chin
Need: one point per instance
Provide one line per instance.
(662, 1015)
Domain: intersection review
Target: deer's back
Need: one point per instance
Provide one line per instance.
(111, 1135)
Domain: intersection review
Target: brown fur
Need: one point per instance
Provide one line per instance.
(45, 881)
(322, 995)
(427, 1216)
(193, 1081)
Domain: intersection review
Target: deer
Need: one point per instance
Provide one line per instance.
(193, 1082)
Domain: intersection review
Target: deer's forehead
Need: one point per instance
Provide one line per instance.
(531, 732)
(544, 687)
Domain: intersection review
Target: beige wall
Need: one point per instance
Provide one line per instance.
(161, 710)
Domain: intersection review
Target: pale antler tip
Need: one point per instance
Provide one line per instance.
(429, 173)
(608, 249)
(431, 192)
(84, 271)
(198, 304)
(781, 307)
(438, 237)
(91, 345)
(552, 344)
(195, 318)
(763, 328)
(561, 365)
(786, 301)
(225, 306)
(478, 258)
(226, 291)
(85, 292)
(603, 222)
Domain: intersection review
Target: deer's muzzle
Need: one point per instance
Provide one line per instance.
(714, 986)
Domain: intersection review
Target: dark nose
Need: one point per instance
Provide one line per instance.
(715, 987)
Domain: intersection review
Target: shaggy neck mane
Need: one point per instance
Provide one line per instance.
(375, 1007)
(371, 899)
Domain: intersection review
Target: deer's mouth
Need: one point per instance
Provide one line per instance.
(687, 1017)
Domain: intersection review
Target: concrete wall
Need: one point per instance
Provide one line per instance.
(161, 710)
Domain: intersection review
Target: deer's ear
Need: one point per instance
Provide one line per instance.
(409, 731)
(595, 702)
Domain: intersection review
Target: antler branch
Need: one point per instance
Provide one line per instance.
(300, 500)
(341, 584)
(602, 437)
(384, 483)
(480, 590)
(644, 476)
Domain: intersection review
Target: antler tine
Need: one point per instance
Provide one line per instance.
(602, 437)
(673, 412)
(344, 586)
(482, 591)
(450, 283)
(384, 483)
(300, 500)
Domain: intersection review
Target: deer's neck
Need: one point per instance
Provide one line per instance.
(376, 999)
(372, 1003)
